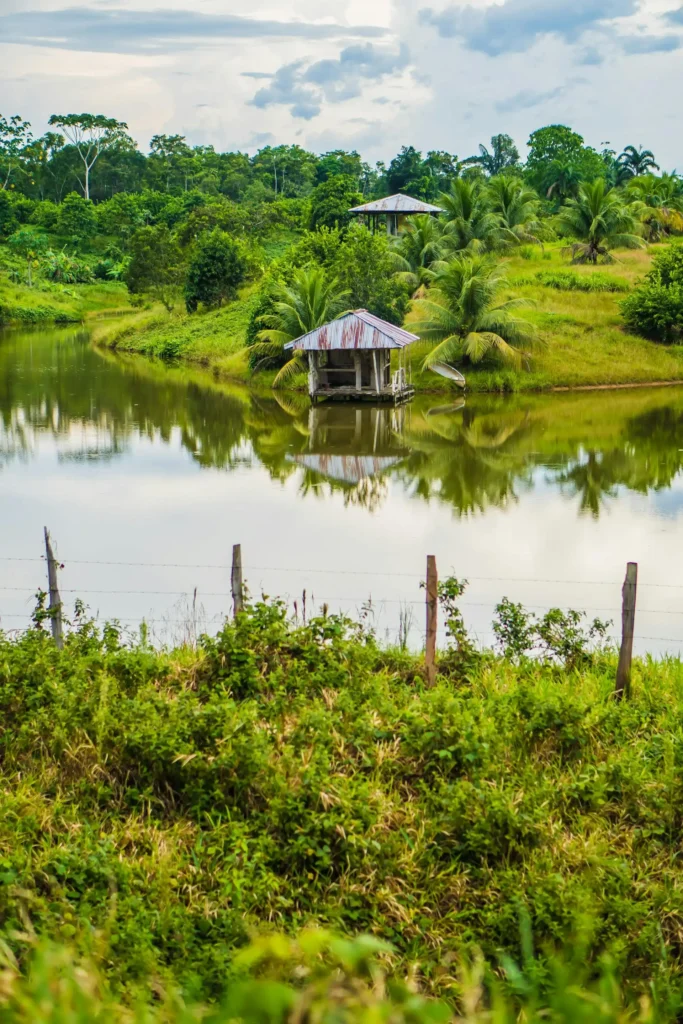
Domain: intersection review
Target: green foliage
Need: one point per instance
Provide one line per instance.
(558, 636)
(331, 202)
(8, 218)
(655, 309)
(311, 299)
(77, 218)
(570, 281)
(159, 807)
(155, 264)
(503, 157)
(600, 221)
(462, 318)
(45, 215)
(364, 268)
(470, 222)
(217, 268)
(65, 268)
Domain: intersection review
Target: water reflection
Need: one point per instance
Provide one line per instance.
(474, 455)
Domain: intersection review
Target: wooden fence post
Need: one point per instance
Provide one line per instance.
(55, 600)
(432, 609)
(628, 625)
(236, 580)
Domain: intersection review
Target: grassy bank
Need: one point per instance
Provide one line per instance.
(159, 808)
(47, 303)
(575, 309)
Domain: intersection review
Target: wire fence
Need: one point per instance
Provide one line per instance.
(184, 605)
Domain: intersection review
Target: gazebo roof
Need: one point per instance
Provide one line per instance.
(355, 330)
(399, 203)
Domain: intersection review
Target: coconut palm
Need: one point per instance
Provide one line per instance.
(599, 220)
(309, 301)
(516, 207)
(469, 222)
(636, 162)
(417, 248)
(462, 317)
(658, 203)
(563, 179)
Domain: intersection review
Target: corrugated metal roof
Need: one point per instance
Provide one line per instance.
(356, 330)
(397, 204)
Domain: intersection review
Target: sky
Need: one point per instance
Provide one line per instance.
(371, 75)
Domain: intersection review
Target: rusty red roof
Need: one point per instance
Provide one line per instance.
(399, 203)
(355, 330)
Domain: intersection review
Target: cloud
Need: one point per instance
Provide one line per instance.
(516, 25)
(650, 44)
(121, 30)
(527, 98)
(304, 87)
(675, 17)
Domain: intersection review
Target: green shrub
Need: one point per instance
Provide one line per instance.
(655, 309)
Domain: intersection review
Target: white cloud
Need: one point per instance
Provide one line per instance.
(474, 70)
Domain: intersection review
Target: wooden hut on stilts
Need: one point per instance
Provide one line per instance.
(349, 359)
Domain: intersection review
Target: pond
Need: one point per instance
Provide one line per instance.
(146, 475)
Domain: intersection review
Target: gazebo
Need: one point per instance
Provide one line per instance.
(349, 359)
(394, 208)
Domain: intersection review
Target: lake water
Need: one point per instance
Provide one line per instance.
(147, 475)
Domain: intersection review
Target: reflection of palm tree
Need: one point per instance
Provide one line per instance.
(592, 480)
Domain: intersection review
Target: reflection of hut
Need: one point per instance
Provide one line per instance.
(350, 359)
(352, 445)
(394, 209)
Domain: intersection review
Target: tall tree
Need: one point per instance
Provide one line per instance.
(636, 162)
(15, 134)
(91, 134)
(599, 220)
(462, 317)
(503, 156)
(404, 170)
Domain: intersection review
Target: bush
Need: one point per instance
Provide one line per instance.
(655, 309)
(77, 218)
(8, 218)
(46, 215)
(218, 267)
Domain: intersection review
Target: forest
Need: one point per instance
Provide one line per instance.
(222, 258)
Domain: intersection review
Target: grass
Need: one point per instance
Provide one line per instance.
(584, 342)
(215, 339)
(52, 303)
(576, 311)
(159, 808)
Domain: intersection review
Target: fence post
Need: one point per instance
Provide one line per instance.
(236, 580)
(628, 625)
(432, 609)
(55, 599)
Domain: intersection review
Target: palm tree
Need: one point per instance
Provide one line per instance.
(418, 247)
(636, 162)
(310, 301)
(462, 317)
(658, 203)
(503, 156)
(470, 224)
(516, 207)
(563, 179)
(600, 221)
